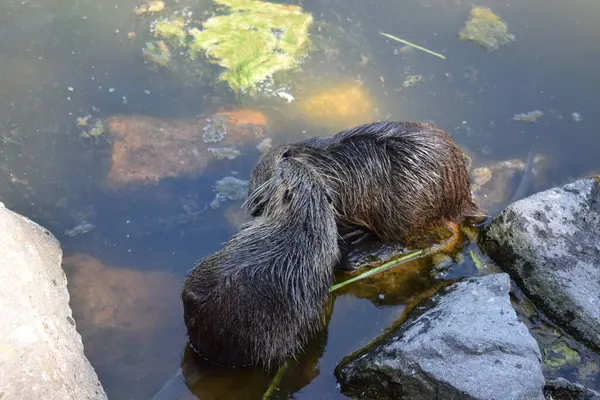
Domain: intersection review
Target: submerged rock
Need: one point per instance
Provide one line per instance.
(550, 244)
(464, 343)
(337, 106)
(486, 29)
(493, 185)
(41, 352)
(148, 149)
(128, 319)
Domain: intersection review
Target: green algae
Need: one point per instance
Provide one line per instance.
(478, 263)
(254, 41)
(486, 29)
(559, 355)
(172, 30)
(157, 53)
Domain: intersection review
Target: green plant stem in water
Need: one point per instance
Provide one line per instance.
(477, 261)
(413, 45)
(389, 264)
(275, 381)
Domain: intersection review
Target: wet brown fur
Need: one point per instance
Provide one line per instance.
(397, 180)
(260, 298)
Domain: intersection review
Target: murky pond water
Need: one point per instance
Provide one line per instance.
(104, 147)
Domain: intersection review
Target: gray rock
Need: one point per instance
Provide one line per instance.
(550, 244)
(41, 353)
(562, 389)
(464, 343)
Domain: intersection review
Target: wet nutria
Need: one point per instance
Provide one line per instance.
(393, 179)
(257, 300)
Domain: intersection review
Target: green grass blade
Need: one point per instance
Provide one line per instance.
(382, 267)
(413, 45)
(275, 381)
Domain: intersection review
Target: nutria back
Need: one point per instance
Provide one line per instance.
(395, 179)
(259, 299)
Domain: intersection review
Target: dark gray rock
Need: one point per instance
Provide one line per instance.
(562, 389)
(41, 353)
(464, 343)
(550, 244)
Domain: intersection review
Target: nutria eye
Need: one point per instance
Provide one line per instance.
(287, 196)
(258, 210)
(287, 154)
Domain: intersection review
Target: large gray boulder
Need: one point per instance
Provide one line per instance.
(41, 353)
(464, 343)
(550, 244)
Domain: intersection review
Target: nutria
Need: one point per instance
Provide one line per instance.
(259, 299)
(392, 179)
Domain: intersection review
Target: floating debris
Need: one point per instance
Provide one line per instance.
(83, 121)
(576, 117)
(254, 41)
(151, 7)
(265, 145)
(486, 29)
(229, 188)
(224, 152)
(406, 42)
(531, 116)
(80, 229)
(214, 130)
(412, 80)
(284, 95)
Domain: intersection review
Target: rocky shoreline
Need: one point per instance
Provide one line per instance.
(41, 351)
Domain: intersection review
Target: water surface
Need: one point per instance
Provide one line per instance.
(60, 60)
